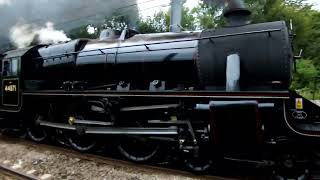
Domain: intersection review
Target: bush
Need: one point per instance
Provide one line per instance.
(304, 79)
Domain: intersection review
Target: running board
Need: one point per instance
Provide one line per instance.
(113, 130)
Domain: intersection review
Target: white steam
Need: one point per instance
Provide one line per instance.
(91, 29)
(5, 2)
(23, 35)
(50, 35)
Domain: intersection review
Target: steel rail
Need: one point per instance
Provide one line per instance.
(19, 175)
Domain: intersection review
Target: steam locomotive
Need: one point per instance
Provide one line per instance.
(213, 95)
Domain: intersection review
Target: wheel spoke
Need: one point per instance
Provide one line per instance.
(137, 149)
(36, 132)
(81, 143)
(199, 163)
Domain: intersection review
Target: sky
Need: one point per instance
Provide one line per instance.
(150, 7)
(316, 3)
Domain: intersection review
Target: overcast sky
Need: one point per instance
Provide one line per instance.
(149, 8)
(316, 3)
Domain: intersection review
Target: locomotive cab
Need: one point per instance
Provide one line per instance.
(10, 83)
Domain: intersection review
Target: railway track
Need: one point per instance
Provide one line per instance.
(15, 174)
(110, 161)
(98, 159)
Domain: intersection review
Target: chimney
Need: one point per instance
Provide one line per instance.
(236, 13)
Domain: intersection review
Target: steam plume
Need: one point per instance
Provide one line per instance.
(23, 35)
(65, 14)
(5, 2)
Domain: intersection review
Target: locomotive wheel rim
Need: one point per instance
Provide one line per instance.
(60, 137)
(201, 163)
(196, 165)
(287, 167)
(82, 143)
(36, 132)
(146, 151)
(301, 176)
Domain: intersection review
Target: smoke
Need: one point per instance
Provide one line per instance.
(65, 14)
(5, 2)
(23, 35)
(50, 35)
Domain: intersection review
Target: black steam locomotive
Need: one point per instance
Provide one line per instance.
(214, 95)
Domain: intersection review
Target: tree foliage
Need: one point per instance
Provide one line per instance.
(306, 72)
(115, 22)
(160, 22)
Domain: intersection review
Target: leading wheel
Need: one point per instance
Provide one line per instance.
(138, 148)
(34, 131)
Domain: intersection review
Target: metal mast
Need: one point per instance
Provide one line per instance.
(176, 15)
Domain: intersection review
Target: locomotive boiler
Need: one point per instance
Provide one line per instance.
(208, 96)
(204, 59)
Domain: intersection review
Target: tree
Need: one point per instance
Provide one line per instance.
(304, 79)
(208, 17)
(314, 40)
(115, 22)
(160, 22)
(306, 72)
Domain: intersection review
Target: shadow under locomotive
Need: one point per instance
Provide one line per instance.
(214, 95)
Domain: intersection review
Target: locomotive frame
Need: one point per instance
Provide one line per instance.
(202, 93)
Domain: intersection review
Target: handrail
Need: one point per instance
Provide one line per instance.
(157, 43)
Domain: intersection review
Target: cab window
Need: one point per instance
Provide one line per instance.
(10, 67)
